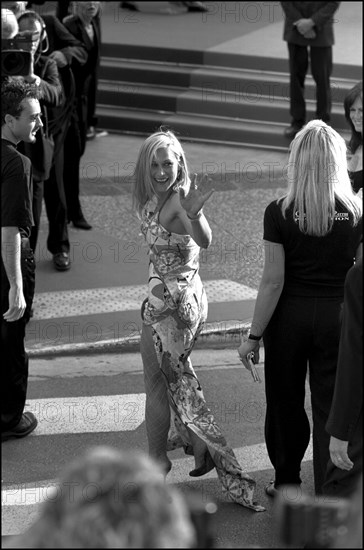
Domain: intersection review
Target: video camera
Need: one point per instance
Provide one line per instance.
(312, 522)
(16, 55)
(202, 515)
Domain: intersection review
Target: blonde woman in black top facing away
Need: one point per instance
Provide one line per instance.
(312, 236)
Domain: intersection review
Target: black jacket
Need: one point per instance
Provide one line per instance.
(347, 404)
(61, 39)
(322, 15)
(89, 70)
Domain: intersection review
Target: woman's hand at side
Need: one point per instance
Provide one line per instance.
(249, 351)
(249, 355)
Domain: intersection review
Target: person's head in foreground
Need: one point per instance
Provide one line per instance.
(112, 499)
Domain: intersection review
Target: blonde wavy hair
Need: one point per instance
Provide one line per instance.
(318, 177)
(143, 190)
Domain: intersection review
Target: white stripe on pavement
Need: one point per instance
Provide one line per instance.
(101, 413)
(71, 303)
(24, 495)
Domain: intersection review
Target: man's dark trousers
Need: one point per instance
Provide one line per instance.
(321, 69)
(14, 368)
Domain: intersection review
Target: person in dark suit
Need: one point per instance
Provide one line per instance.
(309, 24)
(64, 51)
(84, 25)
(345, 422)
(45, 75)
(70, 55)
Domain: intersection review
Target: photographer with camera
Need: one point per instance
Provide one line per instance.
(20, 121)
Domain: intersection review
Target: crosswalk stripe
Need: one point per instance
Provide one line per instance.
(24, 495)
(101, 413)
(70, 303)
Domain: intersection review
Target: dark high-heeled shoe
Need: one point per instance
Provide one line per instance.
(206, 467)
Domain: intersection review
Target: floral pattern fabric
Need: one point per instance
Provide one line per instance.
(176, 308)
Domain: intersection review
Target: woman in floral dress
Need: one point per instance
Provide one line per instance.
(175, 228)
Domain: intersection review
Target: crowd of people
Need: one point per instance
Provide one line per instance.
(308, 310)
(65, 60)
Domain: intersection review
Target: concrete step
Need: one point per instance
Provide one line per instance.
(212, 103)
(205, 96)
(214, 58)
(247, 83)
(194, 127)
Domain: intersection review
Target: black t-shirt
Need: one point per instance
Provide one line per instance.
(16, 189)
(314, 266)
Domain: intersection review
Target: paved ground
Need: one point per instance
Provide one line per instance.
(83, 400)
(109, 260)
(246, 28)
(98, 300)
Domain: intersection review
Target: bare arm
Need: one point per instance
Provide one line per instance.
(270, 289)
(11, 254)
(199, 229)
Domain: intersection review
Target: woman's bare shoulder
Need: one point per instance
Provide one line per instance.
(174, 204)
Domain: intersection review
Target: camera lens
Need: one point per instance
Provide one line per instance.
(15, 63)
(12, 63)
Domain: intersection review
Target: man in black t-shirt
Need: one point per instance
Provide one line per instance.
(20, 120)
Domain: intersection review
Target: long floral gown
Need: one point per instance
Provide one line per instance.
(176, 308)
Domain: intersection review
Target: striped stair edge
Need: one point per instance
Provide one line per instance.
(244, 83)
(218, 59)
(223, 131)
(189, 92)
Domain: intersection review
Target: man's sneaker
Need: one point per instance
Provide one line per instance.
(27, 424)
